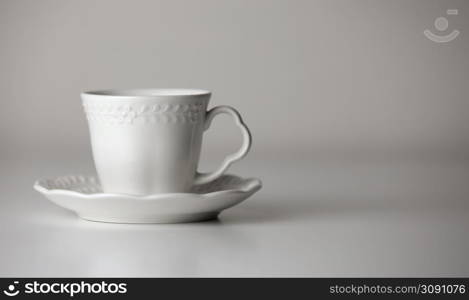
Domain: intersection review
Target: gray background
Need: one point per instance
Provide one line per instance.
(360, 126)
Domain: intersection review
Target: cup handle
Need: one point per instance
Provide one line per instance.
(201, 178)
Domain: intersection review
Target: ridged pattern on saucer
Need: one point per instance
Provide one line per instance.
(90, 184)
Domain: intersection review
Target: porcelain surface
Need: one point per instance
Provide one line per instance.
(149, 141)
(84, 196)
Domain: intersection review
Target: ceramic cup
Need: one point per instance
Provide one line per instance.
(148, 141)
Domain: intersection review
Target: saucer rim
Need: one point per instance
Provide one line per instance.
(254, 184)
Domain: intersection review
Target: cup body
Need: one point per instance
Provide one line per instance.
(146, 141)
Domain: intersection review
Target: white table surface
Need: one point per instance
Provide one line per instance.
(314, 217)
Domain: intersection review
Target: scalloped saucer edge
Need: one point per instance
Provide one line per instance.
(83, 195)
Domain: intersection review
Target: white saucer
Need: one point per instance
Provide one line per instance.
(83, 195)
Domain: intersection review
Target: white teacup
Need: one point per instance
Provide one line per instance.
(148, 141)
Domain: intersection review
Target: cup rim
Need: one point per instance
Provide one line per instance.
(147, 93)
